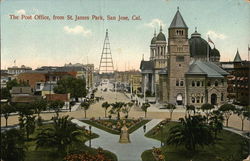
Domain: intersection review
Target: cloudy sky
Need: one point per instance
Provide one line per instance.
(55, 42)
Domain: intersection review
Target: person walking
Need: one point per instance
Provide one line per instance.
(144, 128)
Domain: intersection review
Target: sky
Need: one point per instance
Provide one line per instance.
(37, 43)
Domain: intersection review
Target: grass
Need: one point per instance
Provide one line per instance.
(51, 154)
(228, 146)
(130, 129)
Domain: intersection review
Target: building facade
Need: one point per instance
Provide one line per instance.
(189, 74)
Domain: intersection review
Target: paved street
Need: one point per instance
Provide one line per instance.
(131, 151)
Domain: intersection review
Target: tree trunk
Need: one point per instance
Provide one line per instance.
(6, 123)
(105, 113)
(118, 115)
(171, 113)
(145, 114)
(85, 114)
(242, 124)
(227, 123)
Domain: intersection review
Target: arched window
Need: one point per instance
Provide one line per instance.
(202, 83)
(202, 99)
(198, 83)
(198, 99)
(177, 82)
(216, 83)
(222, 96)
(193, 83)
(208, 83)
(181, 83)
(192, 99)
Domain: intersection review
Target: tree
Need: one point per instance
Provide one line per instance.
(127, 107)
(75, 86)
(216, 122)
(105, 105)
(56, 105)
(6, 109)
(15, 83)
(192, 131)
(171, 109)
(85, 105)
(206, 108)
(39, 106)
(190, 108)
(5, 93)
(243, 113)
(12, 145)
(117, 107)
(29, 125)
(227, 110)
(63, 134)
(145, 107)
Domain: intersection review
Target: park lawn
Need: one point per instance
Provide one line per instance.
(116, 132)
(51, 154)
(227, 146)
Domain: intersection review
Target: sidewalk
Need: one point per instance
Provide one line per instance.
(125, 152)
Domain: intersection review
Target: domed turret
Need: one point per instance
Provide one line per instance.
(215, 52)
(153, 41)
(198, 46)
(161, 36)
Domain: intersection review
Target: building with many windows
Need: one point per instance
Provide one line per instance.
(184, 71)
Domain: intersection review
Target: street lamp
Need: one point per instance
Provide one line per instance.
(90, 136)
(161, 128)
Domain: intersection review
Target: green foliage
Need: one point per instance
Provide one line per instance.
(227, 110)
(85, 105)
(117, 107)
(171, 108)
(39, 106)
(127, 107)
(76, 87)
(216, 122)
(61, 136)
(5, 93)
(191, 132)
(206, 108)
(29, 125)
(145, 107)
(12, 146)
(15, 83)
(190, 108)
(56, 105)
(6, 109)
(105, 105)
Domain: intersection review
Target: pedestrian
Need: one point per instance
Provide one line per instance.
(144, 128)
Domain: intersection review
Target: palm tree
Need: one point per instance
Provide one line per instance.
(206, 108)
(6, 109)
(227, 110)
(145, 107)
(190, 108)
(29, 125)
(117, 107)
(12, 145)
(171, 109)
(216, 122)
(105, 105)
(190, 132)
(127, 107)
(85, 105)
(61, 136)
(243, 113)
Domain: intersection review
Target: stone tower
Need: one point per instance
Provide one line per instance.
(178, 60)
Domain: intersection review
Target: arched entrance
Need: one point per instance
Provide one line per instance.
(213, 99)
(179, 99)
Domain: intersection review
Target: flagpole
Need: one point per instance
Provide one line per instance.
(208, 49)
(248, 52)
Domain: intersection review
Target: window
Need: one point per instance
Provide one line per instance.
(202, 83)
(193, 100)
(209, 83)
(177, 82)
(198, 83)
(216, 83)
(179, 58)
(222, 81)
(202, 99)
(193, 83)
(198, 100)
(182, 83)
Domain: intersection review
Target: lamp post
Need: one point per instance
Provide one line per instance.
(161, 128)
(90, 136)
